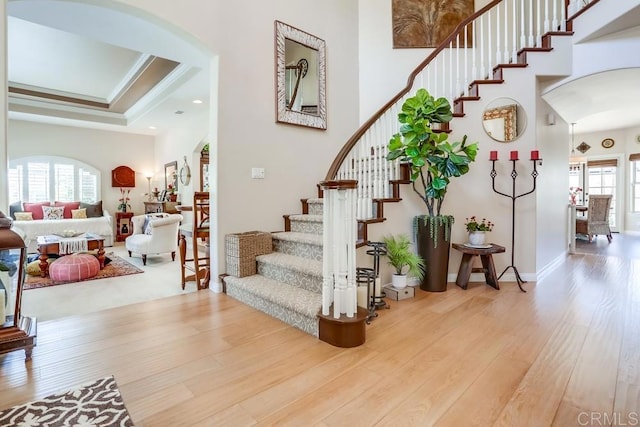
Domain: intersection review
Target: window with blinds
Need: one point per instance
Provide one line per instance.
(50, 178)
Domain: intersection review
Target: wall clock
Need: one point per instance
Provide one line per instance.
(185, 173)
(607, 142)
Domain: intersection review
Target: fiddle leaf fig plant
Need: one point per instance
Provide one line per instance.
(433, 159)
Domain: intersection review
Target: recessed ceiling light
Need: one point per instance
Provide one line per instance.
(179, 112)
(152, 127)
(197, 101)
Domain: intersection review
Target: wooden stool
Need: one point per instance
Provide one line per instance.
(488, 268)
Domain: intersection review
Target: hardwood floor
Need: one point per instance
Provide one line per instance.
(565, 353)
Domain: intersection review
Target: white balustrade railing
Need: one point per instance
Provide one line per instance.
(339, 287)
(493, 36)
(361, 173)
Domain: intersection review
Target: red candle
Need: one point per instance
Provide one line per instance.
(493, 155)
(514, 155)
(535, 155)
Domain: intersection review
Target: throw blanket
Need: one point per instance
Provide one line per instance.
(73, 245)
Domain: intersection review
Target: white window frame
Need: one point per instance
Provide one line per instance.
(52, 161)
(619, 196)
(633, 164)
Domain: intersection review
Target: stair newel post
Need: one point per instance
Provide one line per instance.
(327, 268)
(339, 254)
(339, 248)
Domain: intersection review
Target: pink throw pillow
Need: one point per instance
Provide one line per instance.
(68, 207)
(35, 209)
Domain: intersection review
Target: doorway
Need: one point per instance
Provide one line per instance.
(599, 176)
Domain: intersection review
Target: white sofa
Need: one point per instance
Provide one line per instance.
(102, 226)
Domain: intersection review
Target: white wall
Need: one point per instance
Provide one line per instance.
(384, 74)
(174, 145)
(103, 150)
(625, 144)
(241, 34)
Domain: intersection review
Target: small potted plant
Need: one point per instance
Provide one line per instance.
(477, 230)
(403, 260)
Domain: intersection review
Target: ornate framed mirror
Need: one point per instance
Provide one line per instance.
(504, 120)
(300, 77)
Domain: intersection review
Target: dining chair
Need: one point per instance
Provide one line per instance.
(596, 221)
(197, 234)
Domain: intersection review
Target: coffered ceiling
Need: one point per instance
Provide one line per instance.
(81, 65)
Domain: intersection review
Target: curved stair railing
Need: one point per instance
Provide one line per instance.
(492, 38)
(495, 37)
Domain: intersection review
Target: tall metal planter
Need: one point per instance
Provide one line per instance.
(434, 242)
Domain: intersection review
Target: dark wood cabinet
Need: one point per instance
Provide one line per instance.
(124, 227)
(156, 207)
(16, 331)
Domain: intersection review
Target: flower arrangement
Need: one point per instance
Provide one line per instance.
(171, 189)
(573, 194)
(124, 200)
(472, 224)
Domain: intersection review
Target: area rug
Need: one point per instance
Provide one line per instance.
(117, 267)
(95, 404)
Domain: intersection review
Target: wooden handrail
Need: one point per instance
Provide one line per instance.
(342, 155)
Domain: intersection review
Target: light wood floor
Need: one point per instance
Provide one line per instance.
(566, 353)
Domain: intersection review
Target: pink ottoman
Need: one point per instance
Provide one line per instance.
(73, 268)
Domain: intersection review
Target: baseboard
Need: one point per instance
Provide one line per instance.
(547, 269)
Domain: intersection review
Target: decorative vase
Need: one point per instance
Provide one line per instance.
(434, 250)
(477, 238)
(173, 197)
(573, 199)
(399, 281)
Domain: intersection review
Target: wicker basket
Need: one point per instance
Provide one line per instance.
(241, 250)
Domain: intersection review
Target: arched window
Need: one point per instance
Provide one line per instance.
(51, 178)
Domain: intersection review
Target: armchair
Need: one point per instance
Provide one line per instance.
(154, 234)
(597, 220)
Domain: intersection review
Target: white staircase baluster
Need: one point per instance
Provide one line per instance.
(538, 28)
(496, 37)
(498, 50)
(506, 55)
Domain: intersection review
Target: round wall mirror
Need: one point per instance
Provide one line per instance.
(504, 119)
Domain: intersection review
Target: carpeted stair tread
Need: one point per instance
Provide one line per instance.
(294, 236)
(295, 299)
(293, 263)
(316, 206)
(306, 218)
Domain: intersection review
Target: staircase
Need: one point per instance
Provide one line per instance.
(288, 285)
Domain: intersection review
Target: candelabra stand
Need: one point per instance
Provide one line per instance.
(513, 197)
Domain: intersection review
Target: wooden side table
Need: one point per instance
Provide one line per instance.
(466, 264)
(124, 227)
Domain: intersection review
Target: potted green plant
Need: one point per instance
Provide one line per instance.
(433, 161)
(404, 261)
(477, 230)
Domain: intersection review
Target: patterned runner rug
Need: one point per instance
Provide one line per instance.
(95, 404)
(116, 267)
